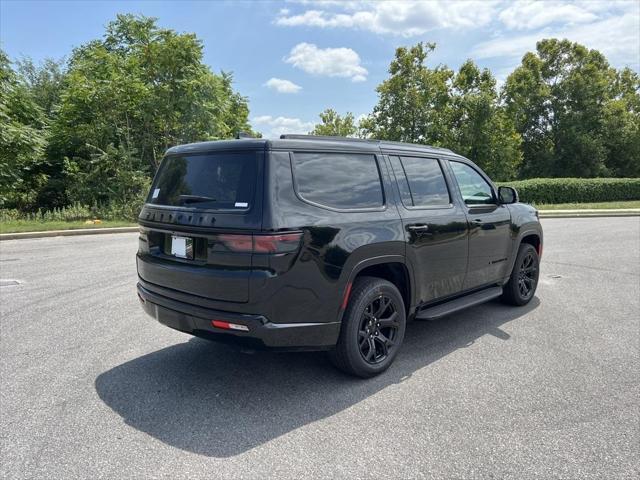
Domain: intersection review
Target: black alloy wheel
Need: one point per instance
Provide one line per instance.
(372, 329)
(522, 284)
(527, 275)
(378, 329)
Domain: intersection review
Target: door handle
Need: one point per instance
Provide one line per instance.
(419, 230)
(483, 225)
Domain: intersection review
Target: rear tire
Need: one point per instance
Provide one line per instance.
(522, 284)
(372, 329)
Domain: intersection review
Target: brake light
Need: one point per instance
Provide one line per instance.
(237, 243)
(277, 243)
(286, 242)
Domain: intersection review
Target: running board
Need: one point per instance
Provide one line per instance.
(431, 313)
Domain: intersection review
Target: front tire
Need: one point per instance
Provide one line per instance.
(372, 329)
(522, 284)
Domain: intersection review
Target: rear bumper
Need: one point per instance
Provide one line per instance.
(261, 333)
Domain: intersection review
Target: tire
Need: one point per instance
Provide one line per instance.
(361, 349)
(522, 284)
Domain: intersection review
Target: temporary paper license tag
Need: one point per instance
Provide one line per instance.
(242, 204)
(156, 192)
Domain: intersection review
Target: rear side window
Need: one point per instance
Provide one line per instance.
(338, 180)
(218, 180)
(421, 182)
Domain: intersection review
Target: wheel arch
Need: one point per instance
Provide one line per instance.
(392, 268)
(532, 236)
(534, 239)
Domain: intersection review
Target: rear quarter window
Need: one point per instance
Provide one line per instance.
(344, 181)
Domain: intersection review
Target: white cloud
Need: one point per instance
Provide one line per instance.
(528, 14)
(282, 86)
(617, 37)
(273, 127)
(330, 62)
(405, 18)
(414, 18)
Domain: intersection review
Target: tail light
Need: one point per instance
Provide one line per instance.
(282, 243)
(237, 243)
(276, 243)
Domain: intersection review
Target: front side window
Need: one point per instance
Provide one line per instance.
(213, 181)
(475, 189)
(421, 182)
(338, 180)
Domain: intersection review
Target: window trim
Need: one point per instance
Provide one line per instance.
(450, 205)
(483, 176)
(376, 158)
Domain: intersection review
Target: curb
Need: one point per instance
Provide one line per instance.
(67, 233)
(623, 212)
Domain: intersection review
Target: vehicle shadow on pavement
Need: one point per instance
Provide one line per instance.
(212, 400)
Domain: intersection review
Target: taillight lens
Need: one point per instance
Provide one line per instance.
(282, 243)
(237, 243)
(277, 243)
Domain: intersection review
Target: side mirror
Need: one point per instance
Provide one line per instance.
(507, 195)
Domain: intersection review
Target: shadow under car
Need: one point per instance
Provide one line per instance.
(214, 400)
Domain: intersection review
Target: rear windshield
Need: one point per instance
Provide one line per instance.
(212, 181)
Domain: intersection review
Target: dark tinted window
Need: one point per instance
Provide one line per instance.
(338, 180)
(475, 189)
(219, 180)
(421, 182)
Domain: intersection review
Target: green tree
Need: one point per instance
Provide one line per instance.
(564, 102)
(333, 124)
(23, 136)
(480, 128)
(129, 97)
(45, 82)
(115, 176)
(414, 102)
(461, 111)
(621, 125)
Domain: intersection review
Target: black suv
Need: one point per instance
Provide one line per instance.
(323, 243)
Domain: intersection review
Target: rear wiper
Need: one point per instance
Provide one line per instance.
(195, 198)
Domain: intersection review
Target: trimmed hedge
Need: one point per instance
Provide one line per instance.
(576, 190)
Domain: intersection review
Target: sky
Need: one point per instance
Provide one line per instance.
(293, 59)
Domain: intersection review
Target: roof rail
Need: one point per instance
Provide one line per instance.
(298, 136)
(392, 142)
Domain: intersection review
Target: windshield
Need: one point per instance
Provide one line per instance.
(217, 180)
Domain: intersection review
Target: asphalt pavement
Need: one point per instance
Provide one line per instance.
(92, 388)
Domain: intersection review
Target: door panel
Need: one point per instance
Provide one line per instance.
(435, 227)
(439, 255)
(489, 243)
(489, 227)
